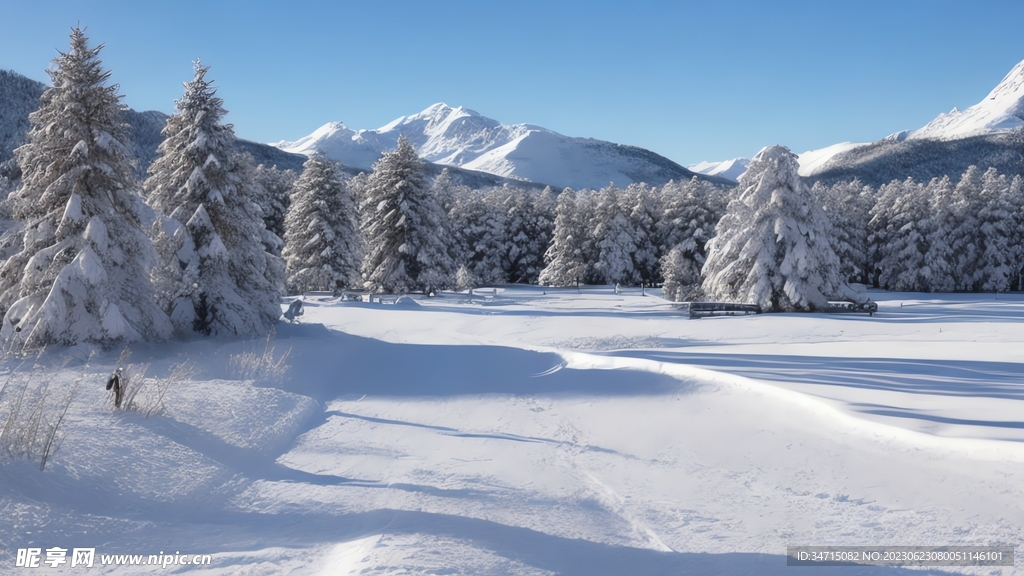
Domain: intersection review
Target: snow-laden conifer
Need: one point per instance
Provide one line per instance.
(938, 222)
(690, 211)
(903, 216)
(216, 276)
(681, 271)
(613, 237)
(404, 227)
(478, 228)
(82, 275)
(644, 209)
(995, 267)
(847, 205)
(772, 246)
(323, 250)
(277, 186)
(529, 223)
(565, 258)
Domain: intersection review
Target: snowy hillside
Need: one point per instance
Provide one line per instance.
(464, 138)
(536, 431)
(1002, 110)
(985, 127)
(814, 161)
(19, 96)
(731, 169)
(811, 162)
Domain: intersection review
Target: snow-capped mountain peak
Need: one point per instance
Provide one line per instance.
(1000, 111)
(327, 131)
(731, 169)
(461, 137)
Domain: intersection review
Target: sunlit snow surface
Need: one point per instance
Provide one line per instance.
(531, 431)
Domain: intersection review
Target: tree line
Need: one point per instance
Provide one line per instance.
(207, 242)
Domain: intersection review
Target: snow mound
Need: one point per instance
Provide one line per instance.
(241, 415)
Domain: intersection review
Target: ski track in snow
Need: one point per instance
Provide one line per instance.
(545, 431)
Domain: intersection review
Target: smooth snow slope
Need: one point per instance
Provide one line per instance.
(1001, 111)
(543, 431)
(731, 169)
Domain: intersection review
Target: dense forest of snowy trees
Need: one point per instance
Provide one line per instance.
(209, 242)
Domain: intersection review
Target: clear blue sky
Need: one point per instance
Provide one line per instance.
(689, 80)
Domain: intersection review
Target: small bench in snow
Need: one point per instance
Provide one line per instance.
(849, 306)
(698, 309)
(389, 299)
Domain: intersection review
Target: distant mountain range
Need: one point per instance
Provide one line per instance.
(444, 145)
(729, 169)
(479, 151)
(19, 96)
(462, 138)
(988, 134)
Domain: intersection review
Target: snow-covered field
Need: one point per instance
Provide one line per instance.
(520, 430)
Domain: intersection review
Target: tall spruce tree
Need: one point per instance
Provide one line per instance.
(566, 255)
(215, 276)
(994, 270)
(277, 187)
(404, 226)
(613, 235)
(847, 205)
(529, 222)
(478, 229)
(322, 247)
(82, 273)
(690, 211)
(772, 247)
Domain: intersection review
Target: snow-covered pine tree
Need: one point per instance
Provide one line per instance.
(880, 233)
(847, 205)
(565, 257)
(688, 218)
(529, 222)
(404, 227)
(1015, 199)
(995, 268)
(445, 190)
(903, 264)
(613, 236)
(82, 273)
(277, 184)
(940, 270)
(478, 228)
(773, 247)
(644, 208)
(216, 276)
(323, 249)
(261, 199)
(681, 271)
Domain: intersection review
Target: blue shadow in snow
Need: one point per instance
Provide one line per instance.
(951, 378)
(1004, 380)
(340, 364)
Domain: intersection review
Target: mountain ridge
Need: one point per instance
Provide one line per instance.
(987, 134)
(463, 138)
